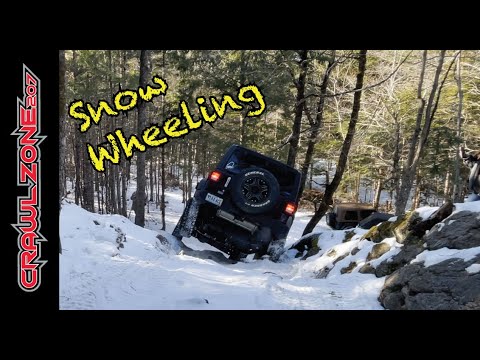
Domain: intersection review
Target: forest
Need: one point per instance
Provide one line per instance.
(356, 123)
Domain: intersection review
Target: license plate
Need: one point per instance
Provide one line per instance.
(214, 199)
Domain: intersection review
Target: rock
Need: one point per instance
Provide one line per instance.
(374, 219)
(443, 286)
(331, 253)
(402, 226)
(354, 251)
(407, 254)
(313, 251)
(412, 228)
(459, 231)
(348, 269)
(379, 232)
(367, 269)
(307, 243)
(340, 258)
(419, 229)
(348, 236)
(378, 250)
(398, 228)
(322, 274)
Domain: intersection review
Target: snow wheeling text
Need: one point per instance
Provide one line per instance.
(28, 174)
(248, 97)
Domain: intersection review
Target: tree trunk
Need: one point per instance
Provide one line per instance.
(457, 182)
(88, 183)
(378, 191)
(124, 166)
(77, 146)
(396, 158)
(62, 137)
(142, 120)
(113, 169)
(357, 187)
(299, 106)
(405, 185)
(342, 160)
(417, 192)
(446, 187)
(184, 171)
(151, 173)
(124, 189)
(191, 155)
(162, 202)
(117, 189)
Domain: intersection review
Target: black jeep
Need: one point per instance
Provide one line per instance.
(246, 205)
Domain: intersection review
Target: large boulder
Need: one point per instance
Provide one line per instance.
(443, 286)
(459, 231)
(308, 244)
(446, 285)
(407, 254)
(387, 229)
(409, 231)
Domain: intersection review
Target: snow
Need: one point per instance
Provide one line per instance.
(473, 206)
(433, 257)
(146, 274)
(426, 211)
(110, 263)
(473, 269)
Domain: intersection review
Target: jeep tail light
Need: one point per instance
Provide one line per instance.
(215, 176)
(290, 208)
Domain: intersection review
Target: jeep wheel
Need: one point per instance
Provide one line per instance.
(255, 190)
(276, 249)
(187, 220)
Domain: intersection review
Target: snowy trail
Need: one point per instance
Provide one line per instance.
(145, 274)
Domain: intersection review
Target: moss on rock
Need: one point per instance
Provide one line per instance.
(348, 269)
(378, 250)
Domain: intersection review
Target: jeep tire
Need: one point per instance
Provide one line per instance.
(187, 220)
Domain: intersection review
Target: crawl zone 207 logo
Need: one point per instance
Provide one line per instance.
(28, 174)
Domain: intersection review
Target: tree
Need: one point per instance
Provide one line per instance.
(425, 112)
(142, 120)
(457, 183)
(294, 138)
(342, 160)
(313, 120)
(316, 121)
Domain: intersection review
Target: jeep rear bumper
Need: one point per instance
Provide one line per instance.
(247, 225)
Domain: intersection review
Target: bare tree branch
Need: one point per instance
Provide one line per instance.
(373, 85)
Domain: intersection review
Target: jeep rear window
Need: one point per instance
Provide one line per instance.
(350, 215)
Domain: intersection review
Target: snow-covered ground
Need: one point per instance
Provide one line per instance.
(95, 273)
(110, 263)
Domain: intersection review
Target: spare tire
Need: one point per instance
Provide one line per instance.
(255, 190)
